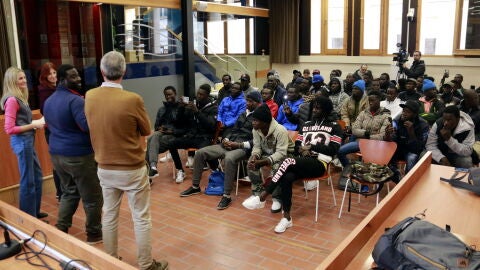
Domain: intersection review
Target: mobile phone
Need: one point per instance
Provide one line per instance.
(464, 170)
(186, 99)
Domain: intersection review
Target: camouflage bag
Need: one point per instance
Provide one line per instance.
(371, 173)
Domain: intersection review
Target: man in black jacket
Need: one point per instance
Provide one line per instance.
(417, 68)
(236, 145)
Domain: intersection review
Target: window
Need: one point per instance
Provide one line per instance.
(315, 22)
(395, 18)
(468, 25)
(236, 36)
(371, 24)
(335, 25)
(215, 38)
(436, 30)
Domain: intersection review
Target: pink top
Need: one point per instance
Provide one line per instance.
(11, 109)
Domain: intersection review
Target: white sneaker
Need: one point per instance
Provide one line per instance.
(166, 158)
(276, 206)
(311, 185)
(247, 179)
(283, 225)
(336, 162)
(180, 176)
(253, 202)
(189, 162)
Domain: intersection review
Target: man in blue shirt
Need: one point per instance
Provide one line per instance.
(291, 106)
(72, 154)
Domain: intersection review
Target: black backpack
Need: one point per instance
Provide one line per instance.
(418, 244)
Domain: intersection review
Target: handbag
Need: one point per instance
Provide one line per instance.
(215, 183)
(371, 173)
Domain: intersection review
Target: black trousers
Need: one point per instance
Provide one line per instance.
(184, 143)
(291, 170)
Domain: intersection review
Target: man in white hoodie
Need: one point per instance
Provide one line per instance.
(451, 139)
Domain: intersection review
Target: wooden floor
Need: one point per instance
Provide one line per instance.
(192, 234)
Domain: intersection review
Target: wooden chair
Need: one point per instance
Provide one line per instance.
(373, 151)
(292, 134)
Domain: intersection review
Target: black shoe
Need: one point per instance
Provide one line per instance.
(190, 191)
(42, 215)
(224, 203)
(160, 265)
(94, 239)
(152, 173)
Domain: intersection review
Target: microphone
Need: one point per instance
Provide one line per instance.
(10, 247)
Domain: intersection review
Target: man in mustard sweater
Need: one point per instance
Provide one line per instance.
(116, 128)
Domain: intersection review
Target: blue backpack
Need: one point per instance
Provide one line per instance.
(215, 183)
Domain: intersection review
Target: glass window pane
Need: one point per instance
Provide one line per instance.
(315, 22)
(436, 32)
(236, 36)
(371, 24)
(395, 13)
(470, 31)
(198, 42)
(252, 36)
(335, 24)
(215, 41)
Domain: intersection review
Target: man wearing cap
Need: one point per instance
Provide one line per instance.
(296, 74)
(447, 95)
(232, 106)
(318, 86)
(410, 91)
(431, 107)
(245, 84)
(271, 146)
(354, 105)
(417, 68)
(236, 145)
(451, 139)
(410, 132)
(279, 92)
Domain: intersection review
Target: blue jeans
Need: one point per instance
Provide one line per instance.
(348, 148)
(30, 173)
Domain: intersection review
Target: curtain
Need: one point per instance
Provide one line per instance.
(4, 52)
(284, 31)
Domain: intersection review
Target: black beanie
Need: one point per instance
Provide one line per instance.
(263, 114)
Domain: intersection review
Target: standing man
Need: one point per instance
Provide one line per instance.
(417, 68)
(116, 128)
(72, 154)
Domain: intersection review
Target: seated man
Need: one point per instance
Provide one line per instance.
(370, 124)
(167, 127)
(410, 91)
(317, 143)
(267, 97)
(431, 107)
(451, 139)
(336, 95)
(201, 117)
(232, 106)
(354, 104)
(392, 102)
(469, 105)
(235, 146)
(270, 147)
(410, 132)
(278, 91)
(289, 107)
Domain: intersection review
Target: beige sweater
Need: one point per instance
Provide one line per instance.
(117, 119)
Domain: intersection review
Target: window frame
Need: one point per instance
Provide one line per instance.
(383, 34)
(457, 31)
(324, 28)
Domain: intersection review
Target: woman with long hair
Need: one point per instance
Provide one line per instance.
(48, 84)
(21, 128)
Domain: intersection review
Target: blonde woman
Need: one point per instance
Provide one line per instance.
(21, 128)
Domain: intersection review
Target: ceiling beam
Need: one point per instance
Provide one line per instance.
(203, 6)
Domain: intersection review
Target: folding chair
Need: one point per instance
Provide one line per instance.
(373, 151)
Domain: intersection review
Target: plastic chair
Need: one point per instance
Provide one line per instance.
(373, 151)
